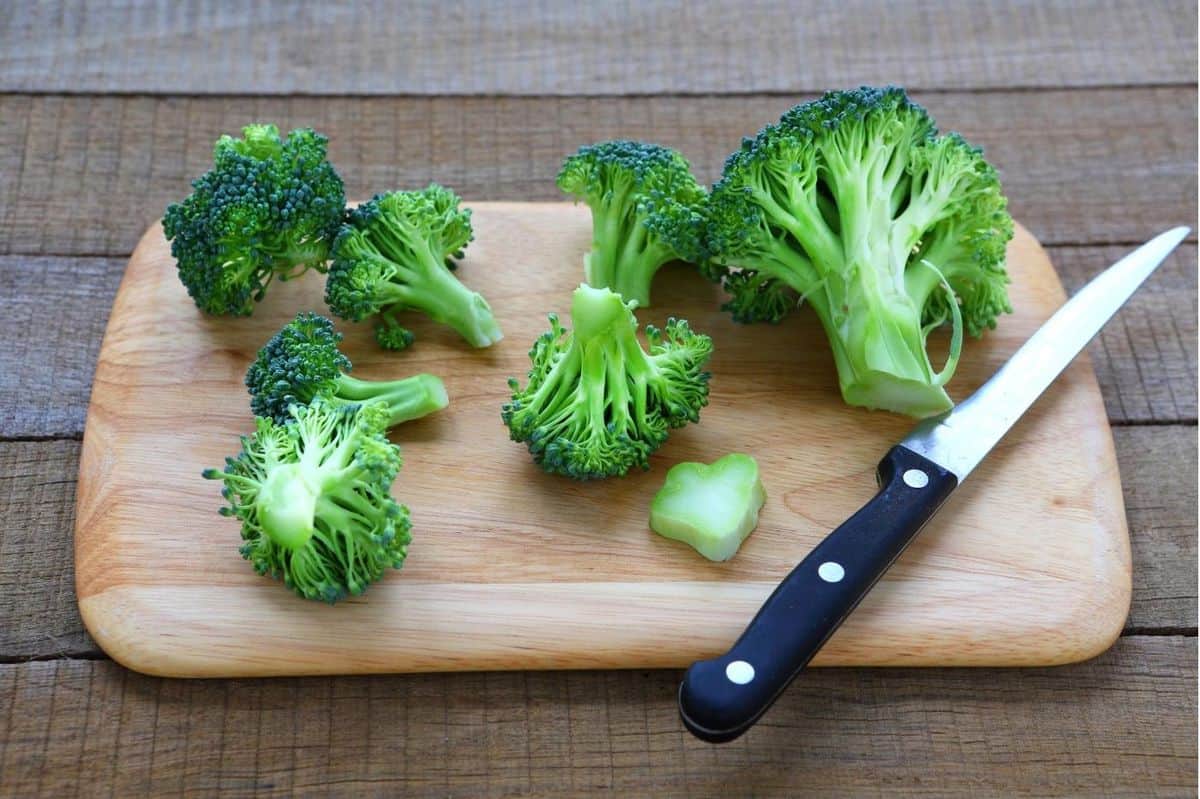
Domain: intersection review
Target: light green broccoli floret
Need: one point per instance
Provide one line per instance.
(711, 507)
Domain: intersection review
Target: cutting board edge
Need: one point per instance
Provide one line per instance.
(131, 625)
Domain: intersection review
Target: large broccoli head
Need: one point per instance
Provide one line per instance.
(597, 404)
(394, 254)
(853, 204)
(303, 362)
(647, 209)
(313, 497)
(268, 208)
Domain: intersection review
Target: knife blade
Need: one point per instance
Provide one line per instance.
(721, 698)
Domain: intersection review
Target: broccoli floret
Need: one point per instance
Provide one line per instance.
(303, 362)
(597, 404)
(314, 500)
(710, 507)
(853, 204)
(268, 208)
(647, 209)
(392, 256)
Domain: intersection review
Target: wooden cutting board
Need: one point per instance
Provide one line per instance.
(510, 568)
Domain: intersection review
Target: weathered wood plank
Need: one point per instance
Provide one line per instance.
(55, 311)
(1145, 358)
(541, 47)
(39, 617)
(90, 173)
(1158, 467)
(1121, 725)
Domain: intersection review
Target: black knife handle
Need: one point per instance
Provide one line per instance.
(720, 699)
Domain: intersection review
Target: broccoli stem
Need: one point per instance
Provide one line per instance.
(442, 297)
(407, 399)
(287, 505)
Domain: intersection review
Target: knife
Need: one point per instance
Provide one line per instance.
(720, 699)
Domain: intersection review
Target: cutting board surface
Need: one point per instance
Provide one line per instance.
(510, 568)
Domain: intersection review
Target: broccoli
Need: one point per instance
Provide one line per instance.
(302, 362)
(710, 507)
(268, 208)
(596, 404)
(392, 256)
(853, 204)
(646, 211)
(313, 498)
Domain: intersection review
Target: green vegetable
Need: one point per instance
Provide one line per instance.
(392, 256)
(713, 507)
(302, 362)
(853, 204)
(596, 403)
(646, 211)
(268, 208)
(313, 498)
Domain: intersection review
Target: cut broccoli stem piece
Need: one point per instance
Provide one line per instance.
(710, 507)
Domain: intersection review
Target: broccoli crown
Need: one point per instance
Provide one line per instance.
(647, 209)
(597, 404)
(313, 497)
(268, 208)
(854, 204)
(394, 254)
(302, 362)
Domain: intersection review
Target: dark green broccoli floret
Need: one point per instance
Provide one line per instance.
(392, 256)
(646, 210)
(314, 500)
(268, 208)
(853, 204)
(597, 404)
(302, 362)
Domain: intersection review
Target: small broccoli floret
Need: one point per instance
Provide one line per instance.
(392, 256)
(314, 500)
(647, 209)
(597, 404)
(303, 362)
(710, 507)
(268, 208)
(853, 204)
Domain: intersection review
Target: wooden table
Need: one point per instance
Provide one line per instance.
(106, 112)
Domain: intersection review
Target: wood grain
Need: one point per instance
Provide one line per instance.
(542, 47)
(41, 618)
(54, 314)
(1122, 726)
(1161, 503)
(1146, 356)
(1145, 360)
(162, 590)
(1078, 166)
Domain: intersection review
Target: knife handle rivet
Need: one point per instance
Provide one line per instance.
(831, 572)
(739, 672)
(915, 478)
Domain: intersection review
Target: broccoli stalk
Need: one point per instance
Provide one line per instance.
(313, 498)
(853, 204)
(392, 256)
(710, 507)
(302, 362)
(596, 403)
(646, 210)
(267, 209)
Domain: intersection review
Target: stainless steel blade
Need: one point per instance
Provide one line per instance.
(959, 439)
